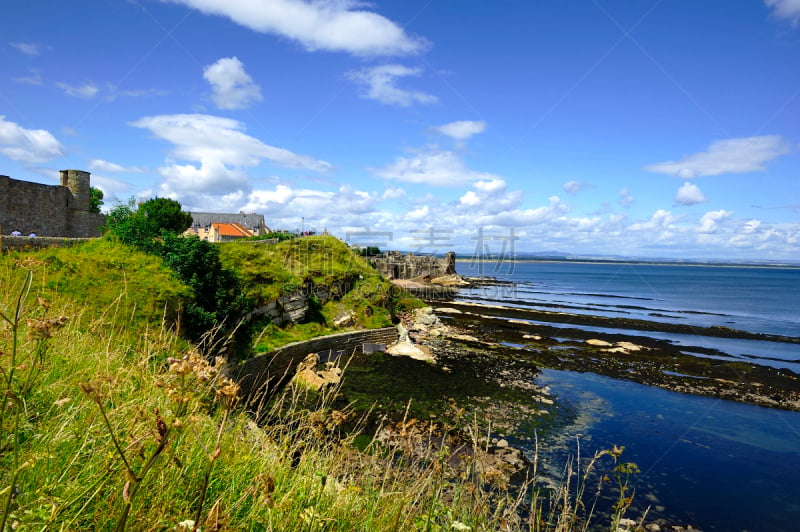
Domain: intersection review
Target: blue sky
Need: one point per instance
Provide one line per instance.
(660, 128)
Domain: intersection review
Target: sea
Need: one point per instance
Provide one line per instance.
(709, 463)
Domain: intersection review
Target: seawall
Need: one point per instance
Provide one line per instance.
(262, 375)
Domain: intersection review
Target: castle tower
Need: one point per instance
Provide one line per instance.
(77, 181)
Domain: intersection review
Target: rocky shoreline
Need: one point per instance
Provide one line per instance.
(640, 359)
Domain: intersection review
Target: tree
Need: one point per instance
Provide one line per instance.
(95, 199)
(140, 227)
(165, 214)
(218, 298)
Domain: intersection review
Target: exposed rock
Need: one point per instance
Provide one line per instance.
(345, 320)
(448, 310)
(598, 343)
(450, 280)
(629, 346)
(308, 376)
(410, 350)
(426, 317)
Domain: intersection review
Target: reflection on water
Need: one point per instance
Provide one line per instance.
(715, 464)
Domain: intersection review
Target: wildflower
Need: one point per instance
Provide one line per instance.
(187, 524)
(458, 525)
(45, 328)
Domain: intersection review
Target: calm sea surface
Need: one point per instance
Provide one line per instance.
(715, 464)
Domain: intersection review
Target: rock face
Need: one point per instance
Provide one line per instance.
(395, 265)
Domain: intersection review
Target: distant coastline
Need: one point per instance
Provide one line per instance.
(637, 262)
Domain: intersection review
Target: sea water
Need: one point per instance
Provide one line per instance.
(714, 464)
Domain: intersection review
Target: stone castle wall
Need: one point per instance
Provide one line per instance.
(49, 210)
(395, 265)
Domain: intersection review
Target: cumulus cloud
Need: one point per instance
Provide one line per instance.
(99, 165)
(232, 87)
(433, 167)
(29, 146)
(380, 83)
(711, 220)
(462, 129)
(728, 156)
(332, 25)
(490, 197)
(786, 9)
(217, 151)
(690, 194)
(336, 209)
(87, 90)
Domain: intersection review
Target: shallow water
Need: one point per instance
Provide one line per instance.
(714, 464)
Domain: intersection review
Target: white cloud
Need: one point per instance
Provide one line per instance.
(87, 90)
(29, 146)
(711, 220)
(433, 167)
(462, 129)
(380, 83)
(218, 151)
(99, 165)
(625, 198)
(660, 226)
(233, 87)
(29, 48)
(690, 194)
(333, 25)
(573, 187)
(393, 193)
(788, 9)
(726, 156)
(490, 198)
(198, 137)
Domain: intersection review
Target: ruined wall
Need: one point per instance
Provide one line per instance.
(25, 243)
(49, 210)
(395, 265)
(263, 374)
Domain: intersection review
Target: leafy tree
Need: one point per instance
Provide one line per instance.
(140, 227)
(370, 251)
(95, 199)
(165, 214)
(218, 298)
(155, 228)
(124, 222)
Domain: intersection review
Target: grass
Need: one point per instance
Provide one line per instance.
(110, 421)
